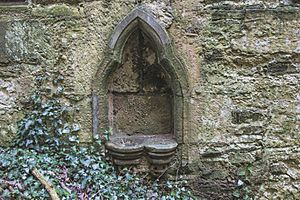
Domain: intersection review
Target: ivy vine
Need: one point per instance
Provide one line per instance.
(47, 124)
(47, 140)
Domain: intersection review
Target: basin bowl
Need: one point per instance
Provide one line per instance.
(157, 150)
(125, 145)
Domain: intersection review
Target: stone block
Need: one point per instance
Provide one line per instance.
(142, 114)
(278, 168)
(46, 2)
(3, 55)
(280, 67)
(213, 188)
(247, 115)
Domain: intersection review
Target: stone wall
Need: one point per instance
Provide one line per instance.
(242, 60)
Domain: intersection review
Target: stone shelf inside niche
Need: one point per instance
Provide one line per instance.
(153, 151)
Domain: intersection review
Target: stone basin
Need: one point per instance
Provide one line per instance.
(156, 150)
(125, 144)
(160, 145)
(153, 143)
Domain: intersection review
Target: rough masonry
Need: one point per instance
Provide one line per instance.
(242, 62)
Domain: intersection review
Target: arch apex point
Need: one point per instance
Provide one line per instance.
(138, 14)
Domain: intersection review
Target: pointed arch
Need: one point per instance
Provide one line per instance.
(138, 17)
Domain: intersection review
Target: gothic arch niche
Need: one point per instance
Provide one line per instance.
(140, 91)
(140, 96)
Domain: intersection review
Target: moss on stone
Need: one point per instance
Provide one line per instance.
(59, 10)
(19, 9)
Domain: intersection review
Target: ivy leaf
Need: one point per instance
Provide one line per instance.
(45, 113)
(242, 173)
(40, 121)
(27, 124)
(95, 166)
(84, 182)
(236, 194)
(28, 142)
(76, 127)
(60, 90)
(73, 138)
(66, 130)
(86, 162)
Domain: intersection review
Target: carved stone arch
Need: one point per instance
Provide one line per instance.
(138, 18)
(167, 59)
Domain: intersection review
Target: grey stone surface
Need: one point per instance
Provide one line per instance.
(3, 56)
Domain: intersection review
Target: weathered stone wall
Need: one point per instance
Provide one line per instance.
(56, 43)
(242, 60)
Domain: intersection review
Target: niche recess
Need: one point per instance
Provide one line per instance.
(140, 98)
(140, 92)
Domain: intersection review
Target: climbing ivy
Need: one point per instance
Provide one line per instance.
(47, 124)
(78, 173)
(47, 141)
(244, 188)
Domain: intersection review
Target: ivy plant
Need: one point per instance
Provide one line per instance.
(78, 173)
(47, 140)
(49, 123)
